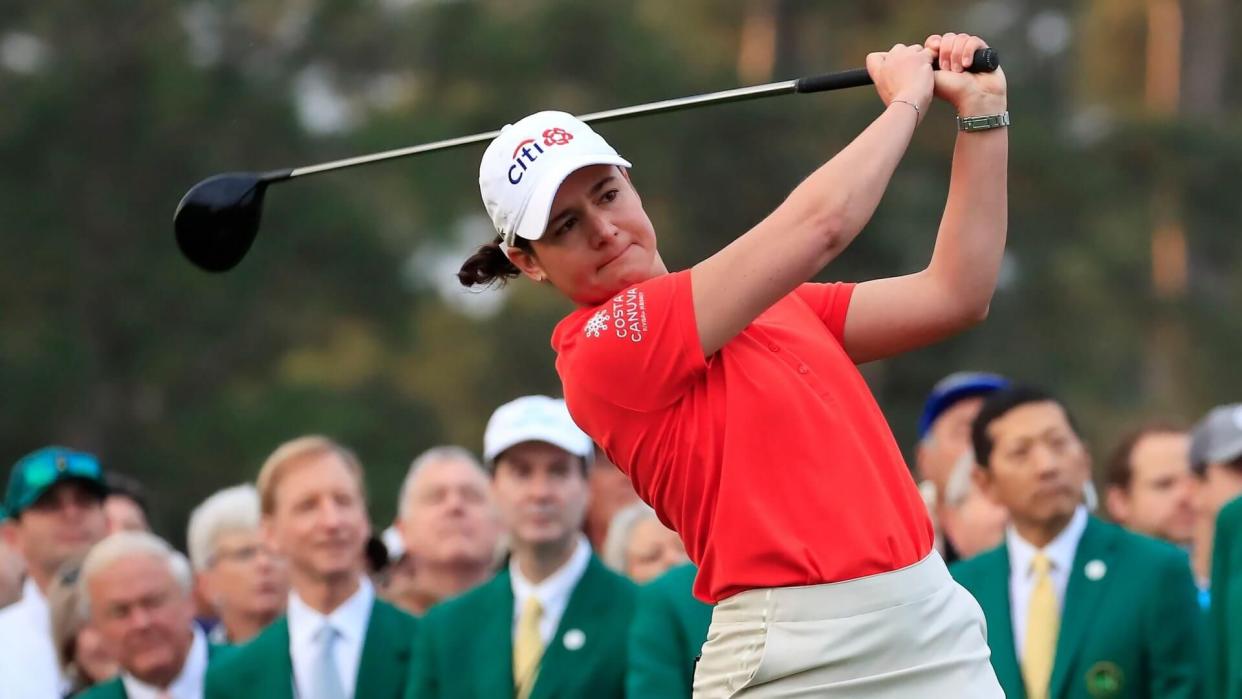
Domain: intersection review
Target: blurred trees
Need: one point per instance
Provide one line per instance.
(345, 318)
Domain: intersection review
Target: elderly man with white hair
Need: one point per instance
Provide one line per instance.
(136, 590)
(449, 527)
(244, 581)
(639, 546)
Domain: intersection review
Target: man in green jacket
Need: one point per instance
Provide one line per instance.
(666, 636)
(337, 640)
(554, 621)
(1076, 608)
(1216, 458)
(1226, 622)
(136, 591)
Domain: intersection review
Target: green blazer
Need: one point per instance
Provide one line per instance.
(1226, 612)
(1130, 624)
(464, 648)
(262, 667)
(115, 688)
(112, 689)
(666, 636)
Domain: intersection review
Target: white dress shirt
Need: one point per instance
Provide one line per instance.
(553, 593)
(28, 665)
(1060, 552)
(188, 685)
(350, 619)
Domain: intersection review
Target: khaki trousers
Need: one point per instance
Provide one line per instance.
(908, 633)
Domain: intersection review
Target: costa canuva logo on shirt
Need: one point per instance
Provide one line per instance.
(529, 150)
(625, 317)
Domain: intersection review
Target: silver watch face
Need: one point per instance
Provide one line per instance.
(983, 123)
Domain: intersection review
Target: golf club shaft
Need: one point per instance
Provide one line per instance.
(985, 60)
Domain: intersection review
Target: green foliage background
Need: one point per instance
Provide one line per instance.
(342, 319)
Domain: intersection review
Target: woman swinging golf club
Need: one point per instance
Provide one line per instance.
(729, 394)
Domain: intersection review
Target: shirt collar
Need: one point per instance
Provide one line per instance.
(187, 685)
(349, 618)
(1060, 551)
(35, 603)
(557, 586)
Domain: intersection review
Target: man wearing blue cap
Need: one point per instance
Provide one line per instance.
(944, 439)
(55, 504)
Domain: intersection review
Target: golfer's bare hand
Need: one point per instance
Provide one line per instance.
(903, 73)
(972, 94)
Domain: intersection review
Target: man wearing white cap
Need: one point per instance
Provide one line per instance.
(1216, 461)
(1216, 458)
(554, 621)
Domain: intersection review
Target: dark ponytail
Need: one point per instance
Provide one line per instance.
(489, 264)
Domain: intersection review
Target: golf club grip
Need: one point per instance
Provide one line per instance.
(985, 61)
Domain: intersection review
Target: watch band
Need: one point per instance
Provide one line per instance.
(983, 123)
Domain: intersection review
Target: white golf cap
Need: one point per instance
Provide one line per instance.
(1217, 438)
(534, 419)
(525, 165)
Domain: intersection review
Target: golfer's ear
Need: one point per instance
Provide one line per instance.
(527, 263)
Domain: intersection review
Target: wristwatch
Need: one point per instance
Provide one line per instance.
(983, 123)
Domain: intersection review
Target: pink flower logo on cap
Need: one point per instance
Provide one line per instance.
(556, 137)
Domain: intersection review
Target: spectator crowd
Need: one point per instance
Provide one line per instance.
(533, 569)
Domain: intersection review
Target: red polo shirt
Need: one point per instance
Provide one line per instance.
(771, 458)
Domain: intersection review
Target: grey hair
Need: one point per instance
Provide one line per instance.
(227, 511)
(448, 452)
(957, 488)
(122, 545)
(620, 529)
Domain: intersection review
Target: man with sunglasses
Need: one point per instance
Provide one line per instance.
(54, 502)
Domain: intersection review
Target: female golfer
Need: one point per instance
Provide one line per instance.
(729, 394)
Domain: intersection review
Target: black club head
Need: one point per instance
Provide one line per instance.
(218, 219)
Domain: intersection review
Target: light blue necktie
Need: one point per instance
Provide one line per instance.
(326, 683)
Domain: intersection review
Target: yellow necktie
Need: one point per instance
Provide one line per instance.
(1043, 621)
(527, 647)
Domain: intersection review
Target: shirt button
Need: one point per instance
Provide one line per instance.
(774, 348)
(803, 369)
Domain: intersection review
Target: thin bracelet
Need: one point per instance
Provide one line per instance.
(917, 111)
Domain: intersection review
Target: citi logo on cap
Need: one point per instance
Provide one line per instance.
(529, 150)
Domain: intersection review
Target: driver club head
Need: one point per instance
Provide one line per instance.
(218, 219)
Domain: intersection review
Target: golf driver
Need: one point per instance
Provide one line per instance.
(218, 219)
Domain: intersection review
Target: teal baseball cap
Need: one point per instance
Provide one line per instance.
(37, 472)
